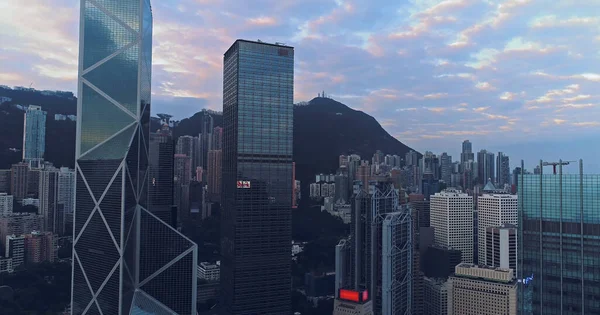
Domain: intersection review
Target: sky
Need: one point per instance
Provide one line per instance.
(518, 76)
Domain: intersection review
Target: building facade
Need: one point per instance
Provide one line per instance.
(53, 212)
(397, 263)
(39, 247)
(501, 247)
(479, 290)
(161, 175)
(559, 242)
(502, 170)
(18, 181)
(15, 249)
(66, 192)
(34, 136)
(258, 88)
(215, 165)
(125, 259)
(493, 210)
(435, 296)
(452, 220)
(6, 204)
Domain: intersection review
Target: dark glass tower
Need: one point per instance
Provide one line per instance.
(125, 259)
(559, 243)
(161, 163)
(258, 88)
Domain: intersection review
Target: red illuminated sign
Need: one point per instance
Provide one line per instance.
(243, 184)
(365, 296)
(349, 295)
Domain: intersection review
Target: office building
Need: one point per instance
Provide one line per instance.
(493, 210)
(559, 241)
(446, 168)
(5, 177)
(34, 136)
(6, 204)
(53, 213)
(480, 290)
(502, 170)
(467, 152)
(66, 194)
(436, 296)
(188, 146)
(39, 247)
(215, 158)
(342, 190)
(205, 140)
(161, 175)
(208, 271)
(352, 302)
(15, 249)
(217, 142)
(397, 264)
(126, 260)
(418, 202)
(485, 167)
(343, 266)
(501, 247)
(18, 181)
(33, 182)
(452, 220)
(257, 166)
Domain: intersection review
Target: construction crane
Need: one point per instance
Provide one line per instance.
(554, 164)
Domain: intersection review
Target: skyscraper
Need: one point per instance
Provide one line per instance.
(18, 181)
(66, 194)
(485, 166)
(502, 170)
(215, 167)
(217, 138)
(467, 152)
(258, 88)
(446, 168)
(452, 219)
(54, 216)
(559, 241)
(125, 259)
(205, 140)
(397, 263)
(34, 136)
(161, 175)
(493, 210)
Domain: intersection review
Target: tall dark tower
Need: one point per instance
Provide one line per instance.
(126, 260)
(258, 90)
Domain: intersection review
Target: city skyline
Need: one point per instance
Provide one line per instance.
(499, 60)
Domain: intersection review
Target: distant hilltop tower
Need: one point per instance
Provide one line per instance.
(322, 95)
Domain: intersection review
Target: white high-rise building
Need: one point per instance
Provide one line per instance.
(493, 210)
(6, 204)
(451, 214)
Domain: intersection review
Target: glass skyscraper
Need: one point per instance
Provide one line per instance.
(559, 243)
(258, 88)
(125, 259)
(34, 136)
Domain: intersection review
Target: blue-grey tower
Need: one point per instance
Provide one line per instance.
(34, 136)
(125, 259)
(258, 93)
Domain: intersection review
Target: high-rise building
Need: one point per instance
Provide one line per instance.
(34, 136)
(493, 210)
(188, 146)
(559, 241)
(6, 204)
(435, 296)
(39, 247)
(452, 220)
(515, 176)
(353, 302)
(33, 182)
(446, 168)
(5, 181)
(411, 158)
(418, 202)
(217, 140)
(18, 181)
(396, 264)
(467, 152)
(66, 195)
(161, 175)
(54, 216)
(502, 170)
(341, 188)
(15, 249)
(343, 266)
(125, 259)
(440, 261)
(257, 178)
(485, 167)
(481, 290)
(205, 140)
(501, 246)
(215, 167)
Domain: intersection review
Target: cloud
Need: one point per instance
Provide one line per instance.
(433, 72)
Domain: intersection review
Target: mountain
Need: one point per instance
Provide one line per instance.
(323, 129)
